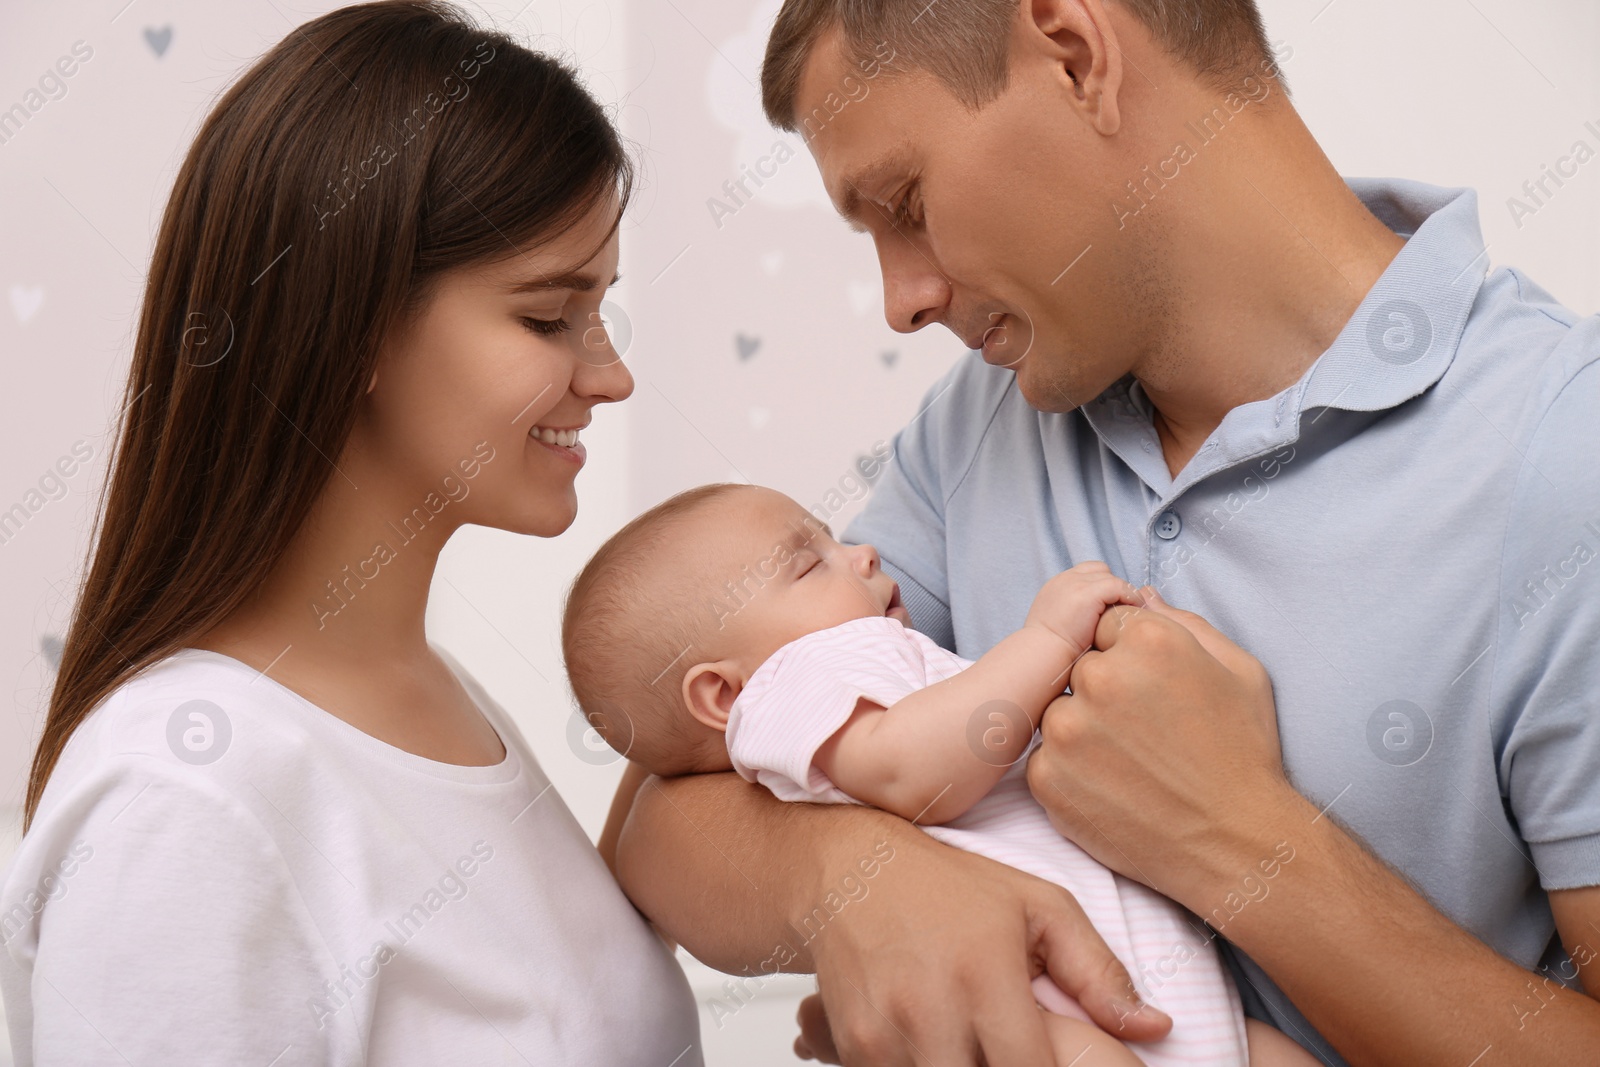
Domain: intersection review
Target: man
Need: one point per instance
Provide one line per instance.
(1302, 408)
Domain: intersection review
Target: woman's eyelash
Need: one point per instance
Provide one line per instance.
(546, 327)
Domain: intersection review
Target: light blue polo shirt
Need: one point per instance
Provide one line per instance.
(1408, 538)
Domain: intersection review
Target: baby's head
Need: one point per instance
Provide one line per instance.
(667, 622)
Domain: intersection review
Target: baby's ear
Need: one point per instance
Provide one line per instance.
(709, 690)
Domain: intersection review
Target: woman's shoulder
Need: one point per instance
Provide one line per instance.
(187, 734)
(191, 710)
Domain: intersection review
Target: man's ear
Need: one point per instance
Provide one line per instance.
(709, 690)
(1088, 54)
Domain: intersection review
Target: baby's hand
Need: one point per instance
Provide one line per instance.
(1071, 603)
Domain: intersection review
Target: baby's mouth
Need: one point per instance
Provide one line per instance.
(894, 599)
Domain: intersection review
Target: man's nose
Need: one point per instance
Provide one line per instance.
(915, 292)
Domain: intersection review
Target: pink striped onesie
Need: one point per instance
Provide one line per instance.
(808, 689)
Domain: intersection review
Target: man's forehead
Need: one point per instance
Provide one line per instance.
(841, 115)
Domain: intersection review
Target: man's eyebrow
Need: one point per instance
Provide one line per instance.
(852, 202)
(576, 280)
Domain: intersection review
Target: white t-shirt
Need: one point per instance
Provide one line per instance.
(222, 872)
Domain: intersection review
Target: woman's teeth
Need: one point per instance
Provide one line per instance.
(564, 438)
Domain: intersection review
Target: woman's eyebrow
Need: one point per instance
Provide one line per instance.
(576, 280)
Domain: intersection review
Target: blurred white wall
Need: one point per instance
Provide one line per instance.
(756, 334)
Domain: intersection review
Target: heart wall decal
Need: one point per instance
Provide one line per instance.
(158, 38)
(25, 301)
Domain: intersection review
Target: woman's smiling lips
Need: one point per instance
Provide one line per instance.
(562, 440)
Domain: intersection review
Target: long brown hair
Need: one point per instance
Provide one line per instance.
(370, 150)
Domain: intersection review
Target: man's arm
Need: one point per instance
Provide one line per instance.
(632, 778)
(1374, 967)
(914, 944)
(1577, 914)
(1369, 962)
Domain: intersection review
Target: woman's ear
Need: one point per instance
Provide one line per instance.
(373, 384)
(709, 690)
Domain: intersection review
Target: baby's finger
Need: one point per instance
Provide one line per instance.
(1113, 590)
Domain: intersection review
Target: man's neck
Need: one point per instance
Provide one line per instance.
(1268, 272)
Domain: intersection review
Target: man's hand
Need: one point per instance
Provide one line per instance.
(1164, 762)
(934, 964)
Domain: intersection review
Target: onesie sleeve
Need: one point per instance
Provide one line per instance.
(807, 690)
(134, 938)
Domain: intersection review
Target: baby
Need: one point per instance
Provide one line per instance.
(727, 629)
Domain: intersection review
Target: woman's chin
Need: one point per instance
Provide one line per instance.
(547, 518)
(553, 525)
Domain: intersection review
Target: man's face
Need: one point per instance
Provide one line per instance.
(998, 224)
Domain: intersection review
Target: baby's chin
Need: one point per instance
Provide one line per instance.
(900, 615)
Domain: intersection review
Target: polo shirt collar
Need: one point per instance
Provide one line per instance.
(1398, 343)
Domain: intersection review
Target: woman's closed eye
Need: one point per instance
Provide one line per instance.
(546, 327)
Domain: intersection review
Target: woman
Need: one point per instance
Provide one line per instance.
(268, 821)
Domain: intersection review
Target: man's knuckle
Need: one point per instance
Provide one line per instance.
(1055, 721)
(871, 1042)
(1092, 674)
(1154, 635)
(1257, 675)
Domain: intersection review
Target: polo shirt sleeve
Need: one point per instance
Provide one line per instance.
(1546, 689)
(905, 517)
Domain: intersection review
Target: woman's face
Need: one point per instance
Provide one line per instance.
(478, 400)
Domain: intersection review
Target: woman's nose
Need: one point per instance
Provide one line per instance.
(601, 374)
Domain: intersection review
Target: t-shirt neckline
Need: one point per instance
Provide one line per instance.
(507, 769)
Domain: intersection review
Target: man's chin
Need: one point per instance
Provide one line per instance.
(1045, 394)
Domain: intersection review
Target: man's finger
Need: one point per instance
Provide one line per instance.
(1112, 625)
(1010, 1026)
(1086, 970)
(816, 1040)
(1211, 639)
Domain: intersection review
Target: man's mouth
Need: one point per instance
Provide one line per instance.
(992, 341)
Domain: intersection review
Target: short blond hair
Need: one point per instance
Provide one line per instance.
(966, 43)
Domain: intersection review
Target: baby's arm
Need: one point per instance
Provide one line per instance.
(914, 758)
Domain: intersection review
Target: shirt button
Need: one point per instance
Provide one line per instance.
(1168, 525)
